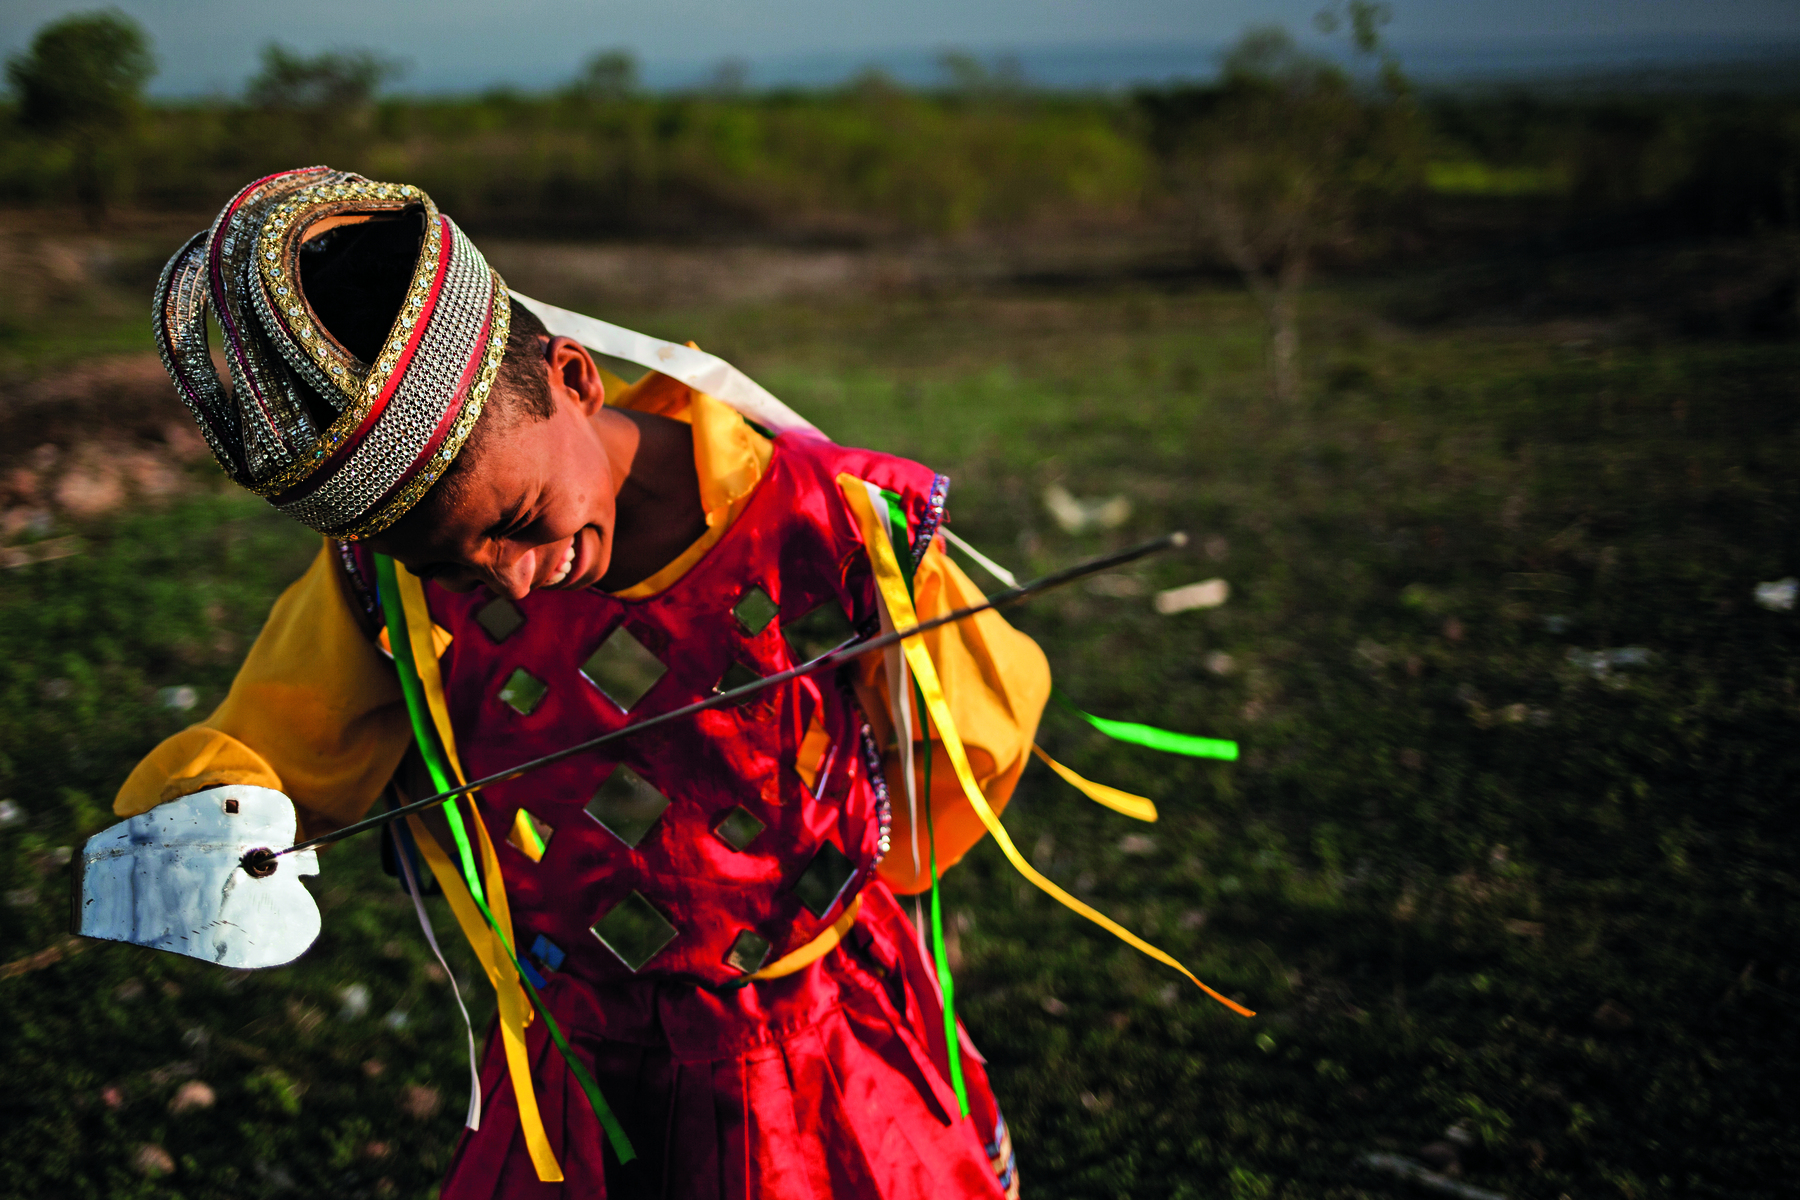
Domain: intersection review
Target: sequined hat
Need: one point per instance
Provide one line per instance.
(342, 443)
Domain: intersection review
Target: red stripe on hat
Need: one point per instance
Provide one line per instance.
(444, 426)
(341, 455)
(216, 281)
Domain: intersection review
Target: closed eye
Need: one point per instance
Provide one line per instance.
(507, 524)
(514, 522)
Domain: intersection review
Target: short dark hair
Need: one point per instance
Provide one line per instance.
(523, 382)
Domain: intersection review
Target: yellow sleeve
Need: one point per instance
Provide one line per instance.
(996, 682)
(315, 712)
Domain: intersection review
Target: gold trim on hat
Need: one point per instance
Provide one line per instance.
(358, 384)
(245, 269)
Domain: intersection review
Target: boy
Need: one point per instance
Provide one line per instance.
(516, 561)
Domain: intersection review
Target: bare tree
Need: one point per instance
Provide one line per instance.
(730, 77)
(336, 79)
(329, 94)
(1285, 155)
(608, 75)
(968, 78)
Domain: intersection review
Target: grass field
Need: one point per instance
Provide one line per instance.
(1509, 849)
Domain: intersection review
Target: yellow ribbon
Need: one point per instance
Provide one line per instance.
(1119, 801)
(814, 950)
(494, 954)
(893, 591)
(525, 836)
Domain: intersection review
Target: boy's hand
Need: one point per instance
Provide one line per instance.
(173, 879)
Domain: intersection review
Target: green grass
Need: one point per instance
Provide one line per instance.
(173, 599)
(31, 348)
(1462, 877)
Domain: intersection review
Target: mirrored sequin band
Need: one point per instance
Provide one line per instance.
(391, 426)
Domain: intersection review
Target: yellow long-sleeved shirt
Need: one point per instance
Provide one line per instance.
(316, 711)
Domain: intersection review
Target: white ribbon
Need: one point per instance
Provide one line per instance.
(987, 564)
(401, 852)
(699, 370)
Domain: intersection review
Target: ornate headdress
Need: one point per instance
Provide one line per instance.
(340, 444)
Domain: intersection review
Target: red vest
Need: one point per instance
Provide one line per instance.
(698, 849)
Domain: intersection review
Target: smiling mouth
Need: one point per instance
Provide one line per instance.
(568, 564)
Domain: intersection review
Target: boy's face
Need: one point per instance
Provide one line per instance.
(535, 507)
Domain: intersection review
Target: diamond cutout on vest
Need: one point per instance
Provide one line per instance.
(823, 629)
(627, 805)
(634, 931)
(755, 611)
(622, 668)
(500, 617)
(747, 953)
(823, 881)
(738, 828)
(548, 953)
(530, 835)
(523, 691)
(736, 676)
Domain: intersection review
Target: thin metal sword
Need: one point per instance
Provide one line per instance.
(262, 862)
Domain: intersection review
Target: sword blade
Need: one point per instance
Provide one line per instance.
(837, 657)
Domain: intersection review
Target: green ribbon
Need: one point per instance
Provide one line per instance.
(898, 536)
(438, 764)
(1153, 738)
(946, 984)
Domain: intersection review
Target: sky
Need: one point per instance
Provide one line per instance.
(211, 46)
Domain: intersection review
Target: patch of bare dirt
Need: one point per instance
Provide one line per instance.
(87, 439)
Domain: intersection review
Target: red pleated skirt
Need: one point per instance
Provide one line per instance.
(831, 1082)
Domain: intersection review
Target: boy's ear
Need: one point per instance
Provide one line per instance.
(573, 375)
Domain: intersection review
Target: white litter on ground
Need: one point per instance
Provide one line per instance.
(1602, 663)
(1417, 1173)
(178, 698)
(1209, 593)
(355, 998)
(1074, 515)
(1778, 596)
